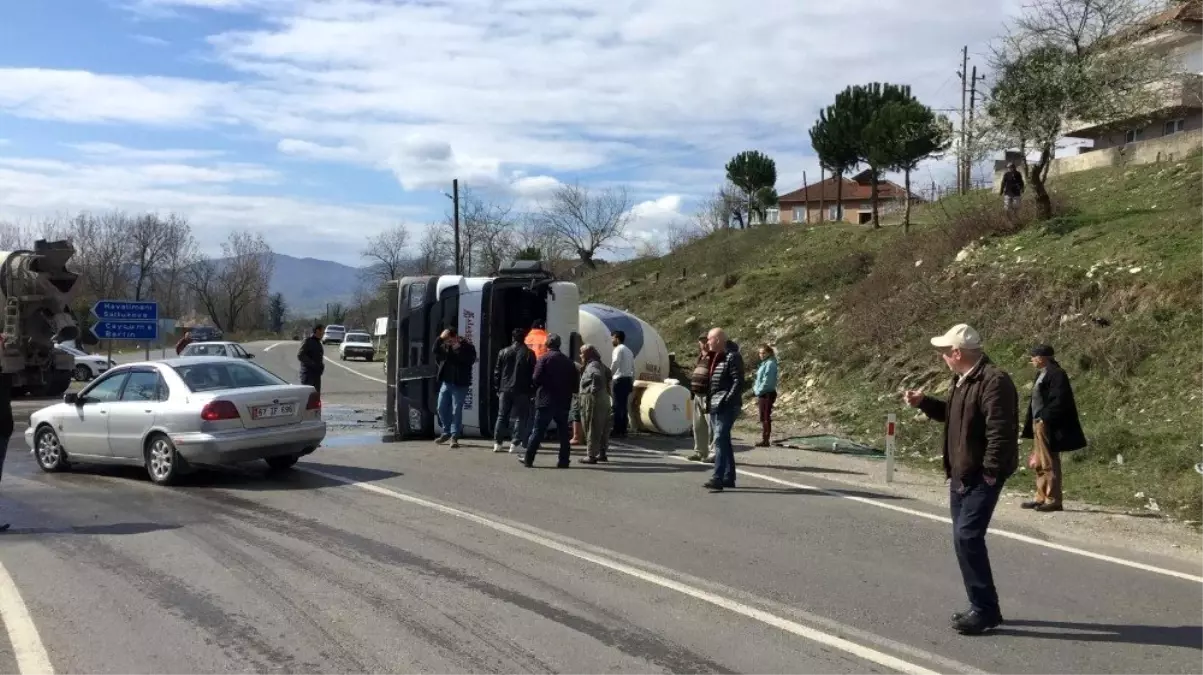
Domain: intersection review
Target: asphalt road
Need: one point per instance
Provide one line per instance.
(414, 557)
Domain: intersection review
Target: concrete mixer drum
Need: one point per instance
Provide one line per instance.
(36, 288)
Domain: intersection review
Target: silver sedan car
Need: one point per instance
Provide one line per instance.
(171, 415)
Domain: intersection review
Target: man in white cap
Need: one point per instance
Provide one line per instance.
(981, 450)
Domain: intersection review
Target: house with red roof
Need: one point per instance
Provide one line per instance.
(816, 203)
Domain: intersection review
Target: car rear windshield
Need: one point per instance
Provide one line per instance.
(358, 337)
(217, 376)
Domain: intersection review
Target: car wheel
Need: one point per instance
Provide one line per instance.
(282, 462)
(163, 463)
(48, 451)
(81, 373)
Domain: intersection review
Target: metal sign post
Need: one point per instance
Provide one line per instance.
(126, 320)
(891, 428)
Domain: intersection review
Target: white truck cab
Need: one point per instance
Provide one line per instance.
(485, 311)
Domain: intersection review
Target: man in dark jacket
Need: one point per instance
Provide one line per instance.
(513, 380)
(313, 359)
(556, 379)
(981, 450)
(1053, 425)
(1011, 189)
(454, 357)
(6, 421)
(184, 342)
(724, 400)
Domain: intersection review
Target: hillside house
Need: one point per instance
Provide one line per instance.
(819, 200)
(1177, 35)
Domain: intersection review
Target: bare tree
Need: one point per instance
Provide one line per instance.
(179, 255)
(147, 237)
(387, 255)
(434, 250)
(102, 254)
(584, 220)
(488, 230)
(531, 234)
(646, 249)
(234, 289)
(715, 212)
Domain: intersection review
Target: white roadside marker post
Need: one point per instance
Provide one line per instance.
(891, 426)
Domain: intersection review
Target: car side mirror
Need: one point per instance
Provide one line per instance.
(71, 398)
(250, 356)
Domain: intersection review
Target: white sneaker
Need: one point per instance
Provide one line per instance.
(513, 448)
(496, 447)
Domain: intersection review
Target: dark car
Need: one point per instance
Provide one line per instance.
(205, 334)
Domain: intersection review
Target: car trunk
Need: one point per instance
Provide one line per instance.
(264, 407)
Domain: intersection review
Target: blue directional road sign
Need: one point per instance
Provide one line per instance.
(126, 310)
(126, 330)
(126, 320)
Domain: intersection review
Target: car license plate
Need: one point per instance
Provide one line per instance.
(262, 412)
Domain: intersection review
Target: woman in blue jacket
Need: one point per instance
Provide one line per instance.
(765, 390)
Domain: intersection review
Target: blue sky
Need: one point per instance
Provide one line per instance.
(321, 122)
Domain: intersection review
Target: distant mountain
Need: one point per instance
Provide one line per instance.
(308, 283)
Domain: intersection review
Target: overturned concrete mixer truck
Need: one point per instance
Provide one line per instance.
(486, 310)
(36, 288)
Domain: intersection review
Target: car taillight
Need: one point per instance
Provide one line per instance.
(314, 403)
(215, 411)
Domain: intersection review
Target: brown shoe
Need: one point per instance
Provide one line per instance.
(1049, 508)
(1031, 505)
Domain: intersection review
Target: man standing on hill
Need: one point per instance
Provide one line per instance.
(313, 359)
(1052, 424)
(981, 450)
(556, 378)
(622, 365)
(724, 401)
(699, 386)
(513, 379)
(454, 357)
(1012, 189)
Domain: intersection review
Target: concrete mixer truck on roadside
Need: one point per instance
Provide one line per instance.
(35, 290)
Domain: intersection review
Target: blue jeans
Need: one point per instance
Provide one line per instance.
(972, 507)
(721, 423)
(513, 414)
(451, 409)
(543, 419)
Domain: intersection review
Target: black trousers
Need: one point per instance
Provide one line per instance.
(313, 380)
(972, 508)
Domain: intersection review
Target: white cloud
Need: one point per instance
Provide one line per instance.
(310, 150)
(120, 153)
(151, 40)
(477, 87)
(214, 198)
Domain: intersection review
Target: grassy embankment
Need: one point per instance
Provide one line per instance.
(1113, 282)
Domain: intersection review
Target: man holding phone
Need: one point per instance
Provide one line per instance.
(454, 357)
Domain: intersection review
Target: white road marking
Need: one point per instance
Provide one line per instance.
(863, 652)
(356, 372)
(272, 346)
(944, 519)
(22, 633)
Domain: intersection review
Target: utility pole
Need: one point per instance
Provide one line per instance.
(455, 199)
(969, 136)
(806, 197)
(964, 73)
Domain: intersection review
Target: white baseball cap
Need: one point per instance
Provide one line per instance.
(960, 336)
